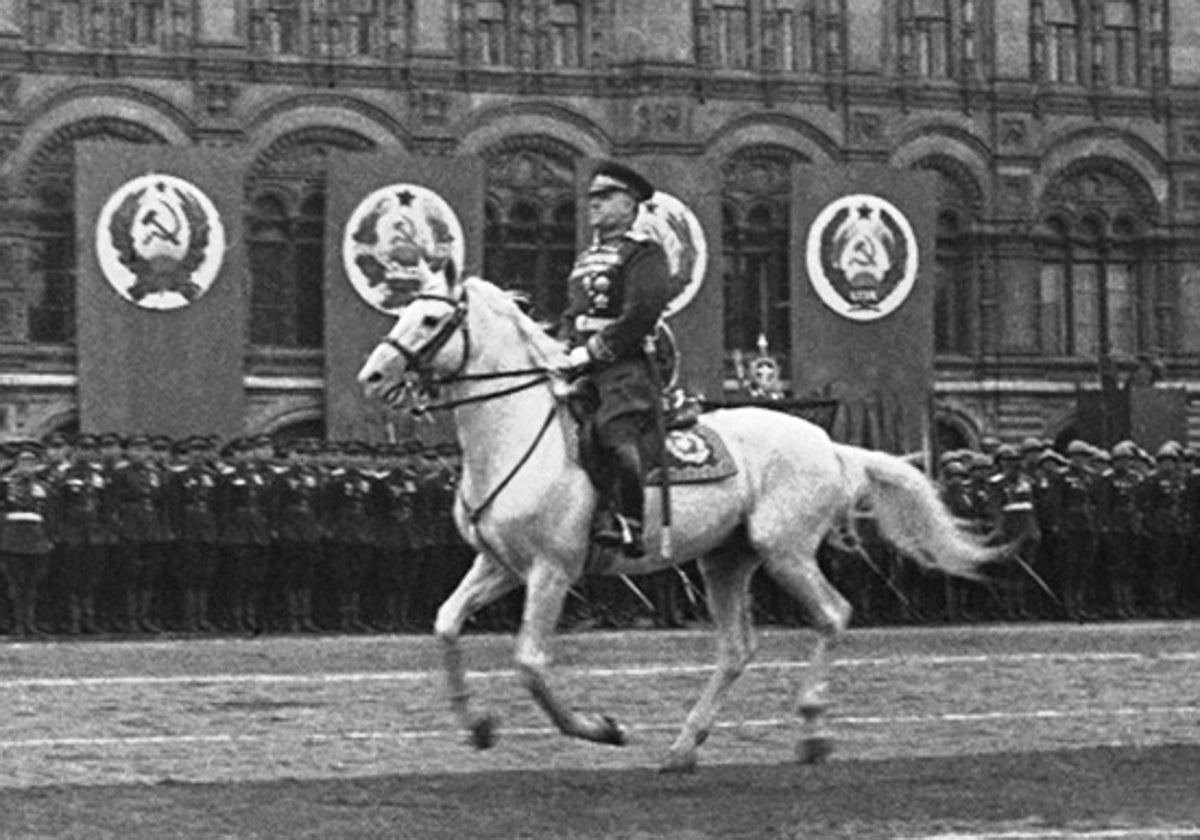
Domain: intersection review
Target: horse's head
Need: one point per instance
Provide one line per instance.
(428, 339)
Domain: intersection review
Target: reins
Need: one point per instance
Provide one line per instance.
(418, 360)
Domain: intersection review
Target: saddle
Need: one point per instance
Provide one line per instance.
(692, 452)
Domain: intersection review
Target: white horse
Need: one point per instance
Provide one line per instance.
(526, 505)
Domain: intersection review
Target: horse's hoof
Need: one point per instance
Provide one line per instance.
(483, 732)
(679, 763)
(814, 750)
(613, 733)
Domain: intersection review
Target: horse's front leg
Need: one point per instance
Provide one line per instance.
(484, 583)
(545, 592)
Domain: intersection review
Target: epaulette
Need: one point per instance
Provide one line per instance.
(226, 469)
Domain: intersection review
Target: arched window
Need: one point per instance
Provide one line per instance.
(932, 29)
(51, 186)
(1094, 295)
(1064, 42)
(530, 221)
(755, 238)
(566, 34)
(347, 29)
(285, 237)
(959, 203)
(491, 32)
(1121, 37)
(731, 34)
(796, 36)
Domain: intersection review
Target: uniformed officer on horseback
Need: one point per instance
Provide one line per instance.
(619, 288)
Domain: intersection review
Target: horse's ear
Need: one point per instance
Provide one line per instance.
(431, 282)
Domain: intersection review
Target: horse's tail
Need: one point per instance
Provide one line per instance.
(905, 507)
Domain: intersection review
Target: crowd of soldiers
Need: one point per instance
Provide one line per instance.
(104, 534)
(1095, 534)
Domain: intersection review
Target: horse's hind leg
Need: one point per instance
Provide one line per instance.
(485, 582)
(727, 583)
(799, 574)
(545, 592)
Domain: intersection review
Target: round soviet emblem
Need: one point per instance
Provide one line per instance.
(388, 235)
(160, 242)
(671, 223)
(862, 257)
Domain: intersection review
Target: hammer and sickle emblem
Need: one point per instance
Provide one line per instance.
(152, 219)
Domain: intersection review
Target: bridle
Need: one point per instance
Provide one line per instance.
(419, 361)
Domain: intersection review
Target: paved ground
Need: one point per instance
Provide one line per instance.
(1024, 732)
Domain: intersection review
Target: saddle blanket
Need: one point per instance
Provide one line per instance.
(694, 455)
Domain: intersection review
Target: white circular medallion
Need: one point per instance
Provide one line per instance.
(160, 242)
(673, 225)
(389, 233)
(862, 257)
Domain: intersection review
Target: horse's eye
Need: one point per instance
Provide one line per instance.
(430, 321)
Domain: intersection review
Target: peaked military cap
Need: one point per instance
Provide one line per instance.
(54, 439)
(109, 439)
(137, 440)
(1031, 444)
(610, 175)
(86, 441)
(161, 442)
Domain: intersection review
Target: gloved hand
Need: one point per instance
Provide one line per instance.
(577, 359)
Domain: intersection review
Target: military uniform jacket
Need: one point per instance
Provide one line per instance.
(617, 292)
(26, 501)
(394, 508)
(1166, 503)
(140, 491)
(1120, 502)
(1077, 500)
(297, 504)
(348, 496)
(192, 503)
(242, 505)
(82, 512)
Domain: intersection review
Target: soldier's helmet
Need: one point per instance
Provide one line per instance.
(1007, 452)
(1125, 449)
(954, 469)
(86, 442)
(1031, 444)
(1170, 449)
(981, 461)
(1079, 447)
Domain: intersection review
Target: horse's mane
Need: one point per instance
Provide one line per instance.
(504, 303)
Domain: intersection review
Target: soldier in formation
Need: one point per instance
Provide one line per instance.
(137, 535)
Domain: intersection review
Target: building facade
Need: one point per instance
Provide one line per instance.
(1064, 135)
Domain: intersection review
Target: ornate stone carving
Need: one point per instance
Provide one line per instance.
(431, 107)
(1014, 133)
(217, 98)
(866, 127)
(660, 119)
(1189, 140)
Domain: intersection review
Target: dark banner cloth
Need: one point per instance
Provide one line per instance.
(162, 296)
(381, 207)
(863, 259)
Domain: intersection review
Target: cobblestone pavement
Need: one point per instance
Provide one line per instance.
(80, 713)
